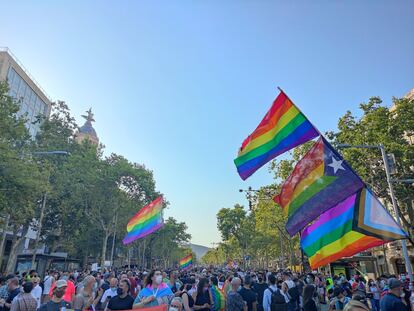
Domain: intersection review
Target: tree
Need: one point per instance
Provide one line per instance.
(235, 225)
(169, 242)
(21, 181)
(395, 130)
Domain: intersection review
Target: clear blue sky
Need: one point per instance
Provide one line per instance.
(178, 85)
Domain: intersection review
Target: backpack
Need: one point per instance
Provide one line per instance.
(293, 293)
(277, 302)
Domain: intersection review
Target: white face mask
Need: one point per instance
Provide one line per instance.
(173, 309)
(158, 279)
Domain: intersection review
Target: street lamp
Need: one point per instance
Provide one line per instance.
(386, 160)
(43, 206)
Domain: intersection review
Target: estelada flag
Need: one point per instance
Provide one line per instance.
(319, 181)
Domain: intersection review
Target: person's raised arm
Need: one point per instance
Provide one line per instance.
(186, 305)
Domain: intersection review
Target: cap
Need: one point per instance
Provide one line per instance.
(61, 283)
(394, 283)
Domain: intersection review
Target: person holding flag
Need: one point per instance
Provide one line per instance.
(154, 293)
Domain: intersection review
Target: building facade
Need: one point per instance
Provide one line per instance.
(32, 99)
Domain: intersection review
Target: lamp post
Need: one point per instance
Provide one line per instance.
(393, 199)
(43, 206)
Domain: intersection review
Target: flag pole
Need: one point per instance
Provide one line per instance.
(324, 139)
(320, 134)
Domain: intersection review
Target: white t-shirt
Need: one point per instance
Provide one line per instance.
(108, 293)
(37, 294)
(47, 284)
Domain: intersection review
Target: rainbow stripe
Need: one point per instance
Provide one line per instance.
(283, 128)
(186, 262)
(319, 181)
(146, 221)
(331, 237)
(354, 225)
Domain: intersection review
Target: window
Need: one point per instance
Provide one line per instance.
(10, 76)
(45, 109)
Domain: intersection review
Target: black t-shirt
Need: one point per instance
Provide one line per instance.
(55, 306)
(118, 303)
(249, 296)
(310, 306)
(260, 288)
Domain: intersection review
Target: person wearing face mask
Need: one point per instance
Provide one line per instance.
(176, 304)
(70, 289)
(202, 297)
(393, 301)
(248, 295)
(340, 300)
(109, 293)
(154, 293)
(57, 303)
(374, 293)
(123, 300)
(259, 287)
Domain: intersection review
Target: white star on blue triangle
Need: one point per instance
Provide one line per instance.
(336, 165)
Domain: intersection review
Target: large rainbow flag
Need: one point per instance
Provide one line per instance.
(283, 128)
(354, 225)
(319, 181)
(186, 262)
(146, 221)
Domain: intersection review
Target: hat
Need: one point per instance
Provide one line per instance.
(353, 304)
(394, 283)
(61, 283)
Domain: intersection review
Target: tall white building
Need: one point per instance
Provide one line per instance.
(23, 87)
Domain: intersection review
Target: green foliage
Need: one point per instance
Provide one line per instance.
(393, 128)
(259, 235)
(21, 179)
(90, 198)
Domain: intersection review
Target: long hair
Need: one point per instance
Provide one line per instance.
(148, 279)
(308, 292)
(201, 285)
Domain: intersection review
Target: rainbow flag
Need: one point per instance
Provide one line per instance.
(354, 225)
(146, 221)
(283, 128)
(186, 262)
(319, 181)
(219, 302)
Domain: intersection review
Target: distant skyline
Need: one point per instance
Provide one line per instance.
(178, 85)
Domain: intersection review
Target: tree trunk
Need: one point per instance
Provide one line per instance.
(104, 246)
(3, 238)
(39, 230)
(16, 242)
(53, 249)
(85, 260)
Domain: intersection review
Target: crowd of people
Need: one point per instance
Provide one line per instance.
(203, 289)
